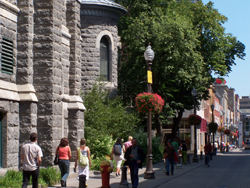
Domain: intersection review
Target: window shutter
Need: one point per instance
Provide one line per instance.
(7, 59)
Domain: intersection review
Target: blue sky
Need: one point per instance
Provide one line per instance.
(238, 14)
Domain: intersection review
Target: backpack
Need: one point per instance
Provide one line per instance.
(117, 149)
(83, 161)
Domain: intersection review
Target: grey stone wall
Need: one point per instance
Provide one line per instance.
(10, 130)
(8, 29)
(48, 74)
(91, 26)
(27, 109)
(9, 109)
(73, 23)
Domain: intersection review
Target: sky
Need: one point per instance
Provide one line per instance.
(238, 14)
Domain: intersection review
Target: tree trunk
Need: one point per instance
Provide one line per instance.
(176, 123)
(159, 127)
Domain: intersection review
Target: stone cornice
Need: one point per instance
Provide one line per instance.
(11, 7)
(75, 103)
(12, 91)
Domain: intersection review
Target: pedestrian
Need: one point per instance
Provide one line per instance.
(64, 153)
(184, 152)
(128, 143)
(227, 147)
(208, 150)
(169, 153)
(117, 154)
(134, 156)
(85, 151)
(176, 146)
(31, 155)
(216, 147)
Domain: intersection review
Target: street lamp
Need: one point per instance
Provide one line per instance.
(149, 173)
(212, 108)
(194, 94)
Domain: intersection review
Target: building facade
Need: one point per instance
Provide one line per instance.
(51, 51)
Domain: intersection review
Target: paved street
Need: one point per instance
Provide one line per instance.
(227, 170)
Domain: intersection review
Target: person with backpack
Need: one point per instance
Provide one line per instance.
(83, 160)
(64, 152)
(117, 154)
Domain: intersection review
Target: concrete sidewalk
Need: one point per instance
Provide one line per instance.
(160, 177)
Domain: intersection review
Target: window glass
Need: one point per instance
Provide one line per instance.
(104, 59)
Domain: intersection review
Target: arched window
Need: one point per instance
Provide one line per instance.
(104, 59)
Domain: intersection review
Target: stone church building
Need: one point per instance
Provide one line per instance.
(51, 51)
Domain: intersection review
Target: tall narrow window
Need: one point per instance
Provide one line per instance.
(104, 59)
(7, 59)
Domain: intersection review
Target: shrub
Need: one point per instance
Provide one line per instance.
(105, 119)
(141, 138)
(49, 175)
(11, 179)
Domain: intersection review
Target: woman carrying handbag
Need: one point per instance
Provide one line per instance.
(64, 155)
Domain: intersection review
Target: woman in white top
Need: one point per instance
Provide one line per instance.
(85, 152)
(118, 157)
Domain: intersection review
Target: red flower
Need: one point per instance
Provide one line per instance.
(149, 102)
(194, 119)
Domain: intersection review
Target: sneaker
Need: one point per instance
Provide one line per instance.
(116, 175)
(167, 173)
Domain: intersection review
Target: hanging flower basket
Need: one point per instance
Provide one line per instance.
(149, 102)
(221, 129)
(194, 119)
(227, 131)
(213, 127)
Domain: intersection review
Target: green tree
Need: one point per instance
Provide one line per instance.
(188, 40)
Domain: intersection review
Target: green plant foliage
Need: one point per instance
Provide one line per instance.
(49, 175)
(11, 179)
(188, 39)
(106, 119)
(141, 138)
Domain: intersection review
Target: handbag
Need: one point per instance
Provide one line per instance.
(56, 160)
(83, 160)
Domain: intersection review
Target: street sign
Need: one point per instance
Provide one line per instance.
(150, 80)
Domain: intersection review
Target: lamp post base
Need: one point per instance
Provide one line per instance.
(149, 175)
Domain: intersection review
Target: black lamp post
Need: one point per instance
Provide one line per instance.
(212, 108)
(149, 173)
(194, 94)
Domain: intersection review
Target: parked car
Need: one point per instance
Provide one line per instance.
(247, 145)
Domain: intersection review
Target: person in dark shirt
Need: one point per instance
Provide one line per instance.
(134, 156)
(208, 149)
(169, 153)
(184, 152)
